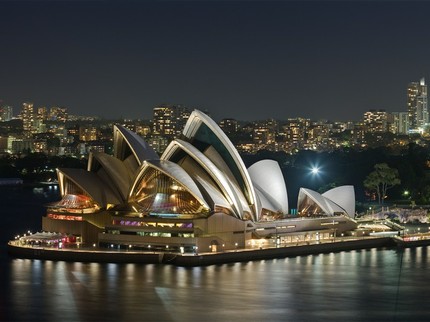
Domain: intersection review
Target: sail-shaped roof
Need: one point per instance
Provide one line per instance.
(309, 199)
(228, 188)
(202, 132)
(267, 176)
(128, 143)
(89, 183)
(165, 178)
(112, 171)
(344, 196)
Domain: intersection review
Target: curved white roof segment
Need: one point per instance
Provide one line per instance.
(215, 195)
(213, 135)
(140, 149)
(344, 196)
(266, 201)
(175, 172)
(232, 194)
(326, 205)
(119, 177)
(267, 175)
(90, 183)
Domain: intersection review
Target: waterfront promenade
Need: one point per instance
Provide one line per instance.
(93, 254)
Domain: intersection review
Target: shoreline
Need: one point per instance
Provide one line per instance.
(204, 259)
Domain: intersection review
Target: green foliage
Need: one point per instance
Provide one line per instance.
(36, 167)
(382, 179)
(327, 187)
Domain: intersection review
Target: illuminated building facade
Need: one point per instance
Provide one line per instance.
(42, 114)
(59, 114)
(296, 132)
(6, 113)
(417, 104)
(377, 121)
(229, 125)
(400, 123)
(27, 116)
(88, 133)
(168, 120)
(197, 195)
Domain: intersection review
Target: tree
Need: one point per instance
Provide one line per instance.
(382, 179)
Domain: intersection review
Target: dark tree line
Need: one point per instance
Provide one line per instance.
(340, 167)
(351, 167)
(37, 166)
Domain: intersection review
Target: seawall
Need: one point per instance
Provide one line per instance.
(241, 255)
(75, 255)
(281, 252)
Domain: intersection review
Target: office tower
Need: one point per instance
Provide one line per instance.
(296, 132)
(377, 121)
(265, 132)
(417, 104)
(58, 114)
(42, 114)
(229, 125)
(6, 113)
(27, 116)
(401, 123)
(168, 120)
(318, 135)
(88, 133)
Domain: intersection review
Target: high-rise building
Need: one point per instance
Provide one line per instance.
(401, 123)
(318, 135)
(168, 120)
(377, 121)
(6, 113)
(296, 132)
(42, 114)
(417, 104)
(265, 132)
(87, 133)
(58, 114)
(229, 125)
(27, 116)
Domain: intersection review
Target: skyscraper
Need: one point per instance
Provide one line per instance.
(376, 121)
(27, 116)
(168, 120)
(58, 114)
(417, 104)
(401, 123)
(6, 113)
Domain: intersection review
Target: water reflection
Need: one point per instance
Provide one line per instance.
(359, 286)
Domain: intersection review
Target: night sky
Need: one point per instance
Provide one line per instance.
(245, 59)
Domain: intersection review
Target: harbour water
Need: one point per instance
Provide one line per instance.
(365, 285)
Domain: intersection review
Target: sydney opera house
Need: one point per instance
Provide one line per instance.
(197, 195)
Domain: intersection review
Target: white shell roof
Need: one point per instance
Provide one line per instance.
(141, 150)
(191, 127)
(175, 172)
(344, 196)
(230, 191)
(215, 195)
(266, 202)
(328, 206)
(91, 184)
(118, 174)
(267, 175)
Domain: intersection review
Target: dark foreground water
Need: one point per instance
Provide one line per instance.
(365, 285)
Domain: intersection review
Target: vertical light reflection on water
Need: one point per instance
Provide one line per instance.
(357, 285)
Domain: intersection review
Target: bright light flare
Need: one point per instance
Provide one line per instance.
(315, 170)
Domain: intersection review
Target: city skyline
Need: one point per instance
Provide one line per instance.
(244, 60)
